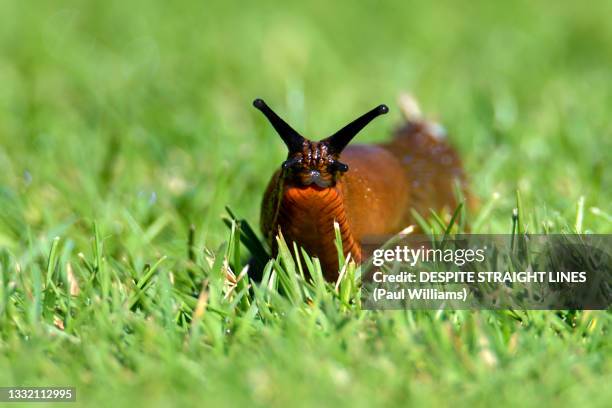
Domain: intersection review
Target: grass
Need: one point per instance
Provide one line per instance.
(122, 124)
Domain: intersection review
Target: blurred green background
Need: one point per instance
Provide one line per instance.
(138, 115)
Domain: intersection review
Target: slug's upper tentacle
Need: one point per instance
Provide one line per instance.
(339, 140)
(290, 136)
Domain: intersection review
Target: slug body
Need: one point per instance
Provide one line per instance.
(372, 192)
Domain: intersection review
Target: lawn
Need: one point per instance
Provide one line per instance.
(123, 124)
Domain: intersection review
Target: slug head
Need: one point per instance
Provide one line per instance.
(310, 162)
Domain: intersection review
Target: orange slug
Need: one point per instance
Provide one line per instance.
(368, 190)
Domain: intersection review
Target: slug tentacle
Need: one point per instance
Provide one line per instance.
(339, 140)
(290, 136)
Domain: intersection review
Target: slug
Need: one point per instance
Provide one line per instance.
(368, 190)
